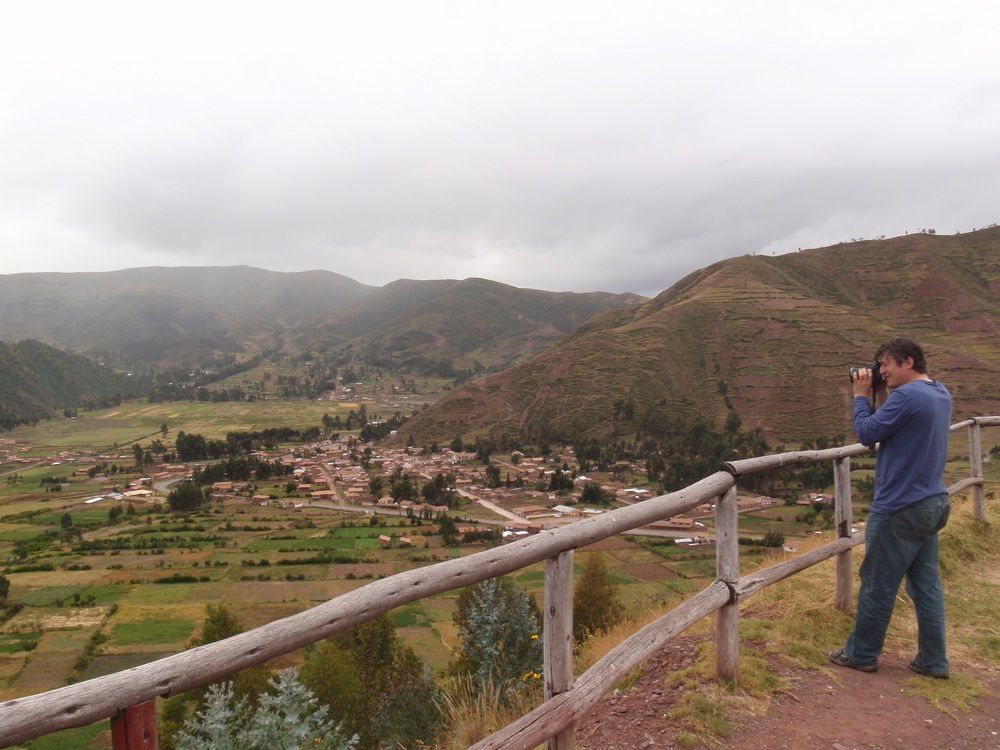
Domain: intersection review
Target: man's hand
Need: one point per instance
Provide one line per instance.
(861, 382)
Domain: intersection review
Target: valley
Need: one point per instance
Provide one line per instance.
(328, 441)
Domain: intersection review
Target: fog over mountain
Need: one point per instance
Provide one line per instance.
(142, 316)
(568, 146)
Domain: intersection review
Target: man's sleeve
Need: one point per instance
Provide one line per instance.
(874, 427)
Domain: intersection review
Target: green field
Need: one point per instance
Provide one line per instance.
(94, 736)
(115, 589)
(151, 631)
(138, 421)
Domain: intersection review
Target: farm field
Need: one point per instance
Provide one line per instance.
(96, 592)
(135, 421)
(99, 596)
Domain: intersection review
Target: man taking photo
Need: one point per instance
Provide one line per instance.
(910, 506)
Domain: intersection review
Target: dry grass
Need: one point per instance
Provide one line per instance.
(796, 621)
(471, 715)
(600, 643)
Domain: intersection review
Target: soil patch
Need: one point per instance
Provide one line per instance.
(39, 619)
(868, 712)
(839, 709)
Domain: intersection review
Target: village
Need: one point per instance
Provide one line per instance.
(337, 474)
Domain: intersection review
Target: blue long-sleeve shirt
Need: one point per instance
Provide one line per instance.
(912, 430)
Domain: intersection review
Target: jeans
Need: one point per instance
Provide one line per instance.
(904, 543)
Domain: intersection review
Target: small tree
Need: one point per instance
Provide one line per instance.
(498, 624)
(250, 684)
(595, 602)
(329, 672)
(289, 716)
(774, 538)
(186, 496)
(220, 623)
(4, 588)
(375, 685)
(593, 494)
(448, 531)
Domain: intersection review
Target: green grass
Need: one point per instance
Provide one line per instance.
(12, 643)
(80, 517)
(319, 543)
(151, 631)
(111, 663)
(173, 594)
(536, 577)
(104, 595)
(140, 421)
(71, 739)
(409, 616)
(20, 534)
(366, 532)
(47, 597)
(956, 695)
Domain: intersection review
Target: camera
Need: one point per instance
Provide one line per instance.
(875, 370)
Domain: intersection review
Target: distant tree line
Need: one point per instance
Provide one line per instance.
(240, 469)
(191, 446)
(379, 429)
(187, 496)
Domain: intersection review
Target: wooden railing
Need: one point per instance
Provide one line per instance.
(127, 697)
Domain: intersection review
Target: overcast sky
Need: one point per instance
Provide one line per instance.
(558, 145)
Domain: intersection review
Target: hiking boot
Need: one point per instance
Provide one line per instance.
(938, 674)
(839, 658)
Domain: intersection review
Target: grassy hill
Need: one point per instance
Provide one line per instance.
(768, 337)
(36, 380)
(190, 315)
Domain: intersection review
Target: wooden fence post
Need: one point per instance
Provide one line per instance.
(557, 632)
(844, 518)
(727, 567)
(976, 470)
(134, 728)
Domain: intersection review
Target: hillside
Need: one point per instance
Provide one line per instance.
(36, 380)
(768, 337)
(189, 315)
(471, 324)
(167, 314)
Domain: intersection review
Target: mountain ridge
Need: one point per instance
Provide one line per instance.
(731, 337)
(191, 314)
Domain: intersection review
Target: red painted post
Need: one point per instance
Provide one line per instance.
(134, 728)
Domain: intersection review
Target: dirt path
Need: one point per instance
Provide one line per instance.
(839, 710)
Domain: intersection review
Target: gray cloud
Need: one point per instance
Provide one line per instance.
(560, 145)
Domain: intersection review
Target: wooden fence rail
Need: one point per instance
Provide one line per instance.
(127, 696)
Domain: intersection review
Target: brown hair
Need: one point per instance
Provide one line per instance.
(900, 348)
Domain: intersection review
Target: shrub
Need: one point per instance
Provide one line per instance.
(289, 716)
